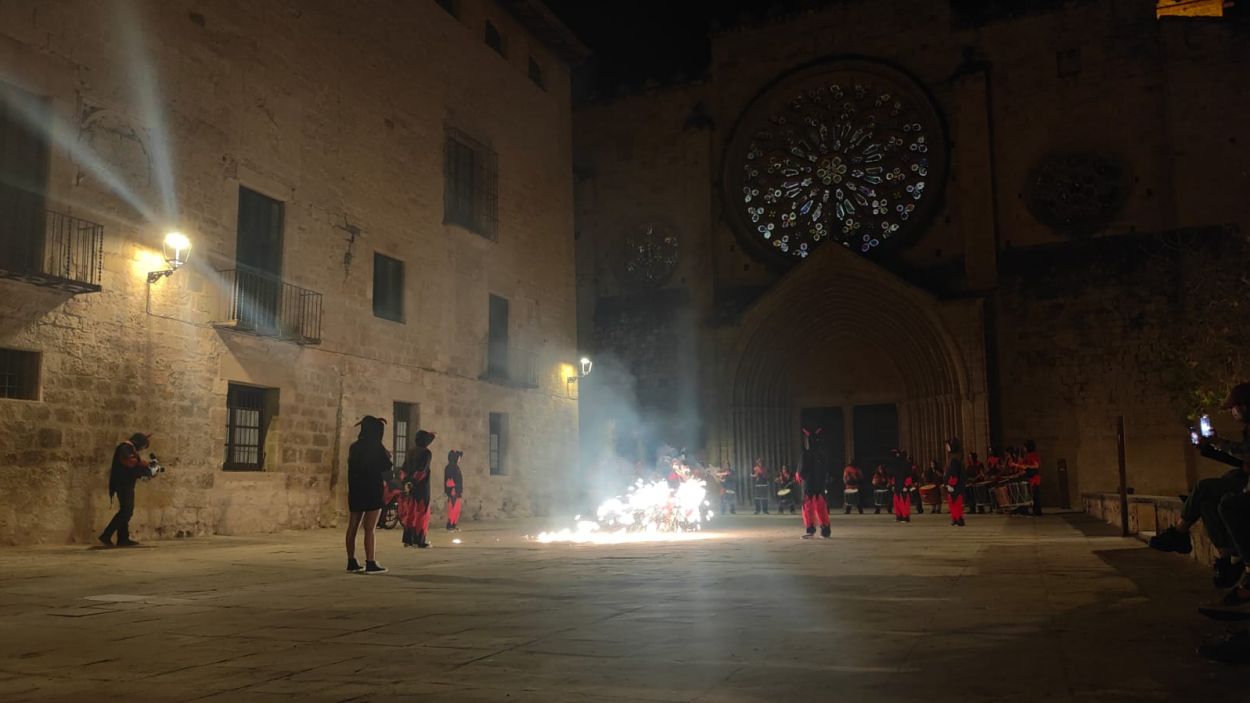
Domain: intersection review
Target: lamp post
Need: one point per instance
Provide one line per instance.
(176, 249)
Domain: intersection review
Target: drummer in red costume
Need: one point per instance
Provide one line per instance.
(853, 479)
(880, 482)
(1032, 464)
(954, 480)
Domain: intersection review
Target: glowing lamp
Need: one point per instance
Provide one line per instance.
(176, 249)
(587, 364)
(584, 368)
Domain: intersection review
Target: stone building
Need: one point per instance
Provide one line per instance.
(1024, 194)
(379, 200)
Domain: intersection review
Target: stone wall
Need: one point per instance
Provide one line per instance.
(1071, 336)
(280, 98)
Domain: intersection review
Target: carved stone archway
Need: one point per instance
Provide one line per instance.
(837, 297)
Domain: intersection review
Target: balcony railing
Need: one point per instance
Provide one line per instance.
(265, 305)
(509, 366)
(69, 256)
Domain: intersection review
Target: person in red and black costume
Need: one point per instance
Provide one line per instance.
(414, 506)
(880, 482)
(453, 486)
(954, 481)
(976, 474)
(1032, 464)
(903, 483)
(814, 473)
(853, 478)
(128, 467)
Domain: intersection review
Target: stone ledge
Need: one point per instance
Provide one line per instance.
(1146, 516)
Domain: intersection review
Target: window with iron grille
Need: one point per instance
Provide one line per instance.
(407, 416)
(536, 73)
(19, 374)
(452, 7)
(470, 185)
(388, 288)
(498, 426)
(248, 412)
(493, 38)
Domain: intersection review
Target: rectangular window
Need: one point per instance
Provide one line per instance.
(23, 180)
(536, 73)
(497, 339)
(258, 257)
(498, 427)
(406, 419)
(248, 412)
(451, 6)
(388, 288)
(19, 374)
(470, 185)
(493, 38)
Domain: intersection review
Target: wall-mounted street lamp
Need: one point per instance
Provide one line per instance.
(575, 375)
(177, 249)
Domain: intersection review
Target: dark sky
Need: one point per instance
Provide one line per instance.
(663, 40)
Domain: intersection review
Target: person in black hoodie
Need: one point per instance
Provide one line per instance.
(814, 473)
(367, 465)
(128, 467)
(414, 505)
(453, 486)
(903, 484)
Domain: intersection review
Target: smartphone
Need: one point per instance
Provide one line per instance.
(1204, 426)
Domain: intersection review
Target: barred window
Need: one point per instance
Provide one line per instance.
(19, 374)
(498, 426)
(470, 185)
(248, 412)
(407, 418)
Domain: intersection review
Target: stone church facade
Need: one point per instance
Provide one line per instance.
(909, 220)
(385, 232)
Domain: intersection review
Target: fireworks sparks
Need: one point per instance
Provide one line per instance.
(649, 511)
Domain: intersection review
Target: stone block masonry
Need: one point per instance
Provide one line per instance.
(283, 101)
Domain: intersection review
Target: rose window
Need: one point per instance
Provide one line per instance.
(851, 152)
(650, 255)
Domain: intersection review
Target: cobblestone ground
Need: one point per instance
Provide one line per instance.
(1017, 609)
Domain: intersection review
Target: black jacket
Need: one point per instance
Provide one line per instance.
(127, 468)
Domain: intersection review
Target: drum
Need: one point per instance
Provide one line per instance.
(881, 497)
(981, 493)
(1020, 494)
(783, 492)
(850, 497)
(931, 494)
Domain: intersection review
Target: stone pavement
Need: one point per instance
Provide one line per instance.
(1017, 609)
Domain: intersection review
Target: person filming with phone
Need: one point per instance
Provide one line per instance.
(128, 467)
(1211, 498)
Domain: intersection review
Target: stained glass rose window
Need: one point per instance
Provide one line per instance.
(851, 152)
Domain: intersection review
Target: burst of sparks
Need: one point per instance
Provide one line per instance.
(647, 512)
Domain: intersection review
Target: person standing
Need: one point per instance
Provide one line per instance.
(880, 482)
(760, 487)
(128, 467)
(368, 462)
(902, 483)
(814, 473)
(785, 482)
(852, 479)
(1032, 464)
(954, 481)
(453, 486)
(414, 506)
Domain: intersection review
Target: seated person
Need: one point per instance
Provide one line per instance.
(1206, 501)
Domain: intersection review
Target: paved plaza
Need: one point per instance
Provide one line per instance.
(1008, 609)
